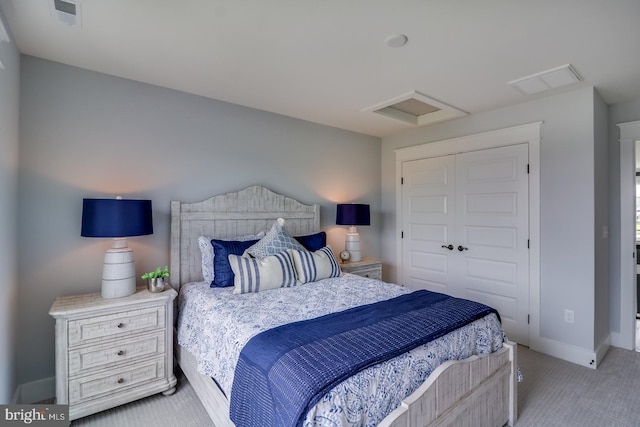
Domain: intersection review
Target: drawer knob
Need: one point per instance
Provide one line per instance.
(120, 353)
(120, 380)
(120, 325)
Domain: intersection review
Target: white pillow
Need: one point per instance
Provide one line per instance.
(314, 266)
(207, 254)
(275, 241)
(261, 274)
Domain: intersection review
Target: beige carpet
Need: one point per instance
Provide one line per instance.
(553, 393)
(181, 409)
(559, 393)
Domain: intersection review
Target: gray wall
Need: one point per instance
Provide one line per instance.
(85, 134)
(9, 107)
(618, 113)
(601, 202)
(567, 202)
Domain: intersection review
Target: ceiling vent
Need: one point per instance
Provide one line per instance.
(416, 109)
(67, 11)
(546, 80)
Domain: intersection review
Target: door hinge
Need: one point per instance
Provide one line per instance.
(528, 318)
(401, 180)
(402, 234)
(527, 167)
(528, 244)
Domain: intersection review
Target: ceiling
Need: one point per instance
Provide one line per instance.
(327, 61)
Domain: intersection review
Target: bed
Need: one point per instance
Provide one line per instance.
(479, 390)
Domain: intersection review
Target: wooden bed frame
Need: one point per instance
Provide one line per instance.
(480, 390)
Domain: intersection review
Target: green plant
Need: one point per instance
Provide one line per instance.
(159, 272)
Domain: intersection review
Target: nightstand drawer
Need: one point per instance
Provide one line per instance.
(113, 381)
(115, 325)
(368, 267)
(87, 359)
(372, 273)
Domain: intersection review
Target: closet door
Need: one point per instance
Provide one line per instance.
(492, 229)
(428, 209)
(465, 230)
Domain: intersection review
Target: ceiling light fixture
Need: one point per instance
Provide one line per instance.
(397, 40)
(546, 80)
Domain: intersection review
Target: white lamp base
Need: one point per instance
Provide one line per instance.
(352, 244)
(118, 271)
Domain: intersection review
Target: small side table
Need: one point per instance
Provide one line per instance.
(368, 267)
(113, 351)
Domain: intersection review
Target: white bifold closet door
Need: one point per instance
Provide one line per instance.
(465, 224)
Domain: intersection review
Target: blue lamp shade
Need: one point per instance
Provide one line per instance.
(353, 214)
(116, 218)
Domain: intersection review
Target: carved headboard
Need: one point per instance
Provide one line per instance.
(229, 215)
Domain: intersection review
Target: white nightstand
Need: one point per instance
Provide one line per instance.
(113, 351)
(368, 267)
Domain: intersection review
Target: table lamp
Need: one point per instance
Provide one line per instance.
(353, 214)
(117, 218)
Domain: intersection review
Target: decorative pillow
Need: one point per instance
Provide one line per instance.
(206, 257)
(207, 254)
(313, 242)
(275, 241)
(255, 275)
(223, 274)
(314, 266)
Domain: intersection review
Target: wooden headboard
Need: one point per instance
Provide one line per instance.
(229, 215)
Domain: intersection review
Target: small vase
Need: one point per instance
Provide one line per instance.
(155, 285)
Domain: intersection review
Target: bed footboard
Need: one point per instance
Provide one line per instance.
(213, 400)
(480, 390)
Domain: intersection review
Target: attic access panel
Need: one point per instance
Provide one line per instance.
(416, 109)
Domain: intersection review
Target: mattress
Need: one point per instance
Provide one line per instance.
(214, 324)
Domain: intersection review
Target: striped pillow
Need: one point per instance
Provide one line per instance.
(314, 266)
(255, 275)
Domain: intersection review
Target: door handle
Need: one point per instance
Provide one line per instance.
(462, 248)
(450, 247)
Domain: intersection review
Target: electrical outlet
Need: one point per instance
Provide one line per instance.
(568, 315)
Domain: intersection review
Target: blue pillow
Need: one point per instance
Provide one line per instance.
(223, 274)
(313, 242)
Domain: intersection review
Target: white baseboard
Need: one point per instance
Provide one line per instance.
(568, 352)
(35, 391)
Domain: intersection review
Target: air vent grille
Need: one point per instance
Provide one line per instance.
(65, 7)
(67, 11)
(546, 80)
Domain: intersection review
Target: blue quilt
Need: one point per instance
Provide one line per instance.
(284, 371)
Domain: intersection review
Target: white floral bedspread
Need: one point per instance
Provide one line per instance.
(214, 324)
